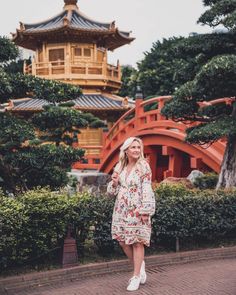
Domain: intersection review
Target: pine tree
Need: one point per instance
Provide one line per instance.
(37, 151)
(215, 79)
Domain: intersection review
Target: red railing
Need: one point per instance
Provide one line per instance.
(140, 119)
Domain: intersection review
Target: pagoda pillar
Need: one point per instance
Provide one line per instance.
(67, 60)
(119, 70)
(95, 56)
(50, 69)
(104, 69)
(45, 56)
(33, 66)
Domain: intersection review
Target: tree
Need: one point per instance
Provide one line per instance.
(8, 52)
(60, 124)
(175, 61)
(37, 151)
(215, 79)
(160, 72)
(220, 12)
(129, 81)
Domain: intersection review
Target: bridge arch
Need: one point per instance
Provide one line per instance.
(164, 145)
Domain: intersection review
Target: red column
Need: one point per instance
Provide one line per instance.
(161, 104)
(196, 163)
(151, 153)
(175, 161)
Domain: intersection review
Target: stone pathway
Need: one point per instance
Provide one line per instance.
(213, 277)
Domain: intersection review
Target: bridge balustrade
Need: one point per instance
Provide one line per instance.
(146, 118)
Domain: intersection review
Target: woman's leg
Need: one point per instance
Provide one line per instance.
(138, 257)
(128, 250)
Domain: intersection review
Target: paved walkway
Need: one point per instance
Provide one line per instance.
(213, 277)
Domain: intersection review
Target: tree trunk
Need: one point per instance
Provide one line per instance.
(227, 177)
(7, 176)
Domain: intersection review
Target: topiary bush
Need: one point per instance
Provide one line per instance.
(182, 213)
(81, 218)
(12, 222)
(31, 226)
(92, 216)
(35, 224)
(102, 210)
(46, 218)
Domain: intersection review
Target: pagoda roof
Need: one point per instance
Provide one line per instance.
(71, 24)
(87, 102)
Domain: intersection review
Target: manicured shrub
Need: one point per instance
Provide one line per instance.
(81, 218)
(182, 213)
(11, 225)
(31, 226)
(91, 217)
(35, 224)
(103, 209)
(46, 218)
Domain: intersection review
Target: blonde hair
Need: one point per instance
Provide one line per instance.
(123, 159)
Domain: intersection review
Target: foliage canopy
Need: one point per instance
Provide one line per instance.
(37, 151)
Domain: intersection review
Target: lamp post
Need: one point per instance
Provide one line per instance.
(70, 255)
(138, 108)
(139, 93)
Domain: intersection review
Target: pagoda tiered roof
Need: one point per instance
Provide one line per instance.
(89, 102)
(71, 25)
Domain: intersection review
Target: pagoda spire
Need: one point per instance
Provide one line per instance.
(70, 4)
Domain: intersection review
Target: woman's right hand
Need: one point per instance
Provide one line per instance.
(115, 179)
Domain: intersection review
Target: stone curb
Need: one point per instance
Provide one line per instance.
(16, 284)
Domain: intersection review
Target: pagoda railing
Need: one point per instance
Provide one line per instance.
(63, 69)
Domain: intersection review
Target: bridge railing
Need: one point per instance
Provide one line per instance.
(142, 117)
(137, 118)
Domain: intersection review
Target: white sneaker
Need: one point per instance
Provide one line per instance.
(134, 283)
(143, 275)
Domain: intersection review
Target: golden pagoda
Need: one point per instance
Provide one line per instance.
(72, 48)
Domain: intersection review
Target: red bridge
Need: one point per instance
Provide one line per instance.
(164, 145)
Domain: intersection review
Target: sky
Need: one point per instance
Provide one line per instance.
(149, 20)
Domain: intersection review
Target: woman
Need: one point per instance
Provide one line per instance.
(134, 206)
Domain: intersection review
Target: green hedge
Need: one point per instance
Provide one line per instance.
(35, 224)
(31, 225)
(187, 213)
(12, 222)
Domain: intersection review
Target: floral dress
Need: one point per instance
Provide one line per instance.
(134, 198)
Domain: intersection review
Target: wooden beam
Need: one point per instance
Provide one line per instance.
(196, 163)
(167, 151)
(168, 173)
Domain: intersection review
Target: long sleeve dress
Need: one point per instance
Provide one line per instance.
(134, 198)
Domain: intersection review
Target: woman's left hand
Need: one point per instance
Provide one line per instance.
(144, 218)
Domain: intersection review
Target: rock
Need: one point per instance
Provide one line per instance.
(93, 182)
(193, 175)
(178, 180)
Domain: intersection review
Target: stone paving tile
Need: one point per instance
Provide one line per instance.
(213, 277)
